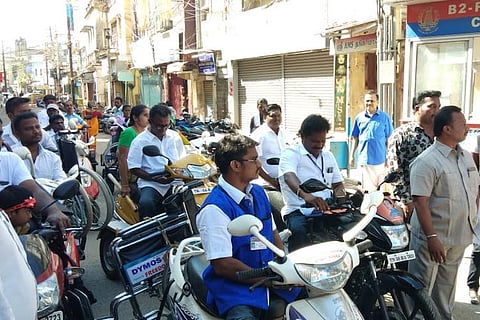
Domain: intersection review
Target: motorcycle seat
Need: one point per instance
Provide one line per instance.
(194, 270)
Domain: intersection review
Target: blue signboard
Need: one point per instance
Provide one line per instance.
(206, 63)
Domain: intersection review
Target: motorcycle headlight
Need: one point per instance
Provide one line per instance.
(48, 295)
(398, 235)
(326, 277)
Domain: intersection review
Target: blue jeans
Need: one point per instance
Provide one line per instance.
(150, 203)
(243, 312)
(297, 223)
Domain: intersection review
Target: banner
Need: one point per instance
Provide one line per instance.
(69, 16)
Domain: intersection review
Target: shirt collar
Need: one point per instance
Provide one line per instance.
(233, 192)
(446, 150)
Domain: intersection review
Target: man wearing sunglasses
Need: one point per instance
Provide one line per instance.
(153, 189)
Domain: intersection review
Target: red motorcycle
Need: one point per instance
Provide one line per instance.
(55, 261)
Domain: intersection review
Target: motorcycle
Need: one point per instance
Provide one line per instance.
(377, 286)
(191, 168)
(322, 268)
(55, 261)
(139, 251)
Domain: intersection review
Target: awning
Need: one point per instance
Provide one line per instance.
(176, 67)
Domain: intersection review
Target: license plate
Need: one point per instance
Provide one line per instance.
(202, 190)
(401, 256)
(57, 315)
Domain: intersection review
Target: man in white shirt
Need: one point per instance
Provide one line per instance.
(154, 189)
(14, 107)
(271, 140)
(47, 164)
(299, 163)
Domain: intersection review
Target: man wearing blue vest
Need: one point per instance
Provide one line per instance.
(237, 160)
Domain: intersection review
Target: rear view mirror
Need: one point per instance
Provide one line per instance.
(313, 185)
(273, 161)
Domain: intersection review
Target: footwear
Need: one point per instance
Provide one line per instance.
(472, 293)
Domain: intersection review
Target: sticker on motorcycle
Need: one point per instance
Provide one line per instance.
(202, 190)
(401, 256)
(145, 267)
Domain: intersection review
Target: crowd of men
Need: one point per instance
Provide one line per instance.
(438, 185)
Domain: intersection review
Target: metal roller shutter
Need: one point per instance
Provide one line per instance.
(208, 94)
(258, 78)
(301, 83)
(309, 88)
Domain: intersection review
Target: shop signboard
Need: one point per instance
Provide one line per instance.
(443, 18)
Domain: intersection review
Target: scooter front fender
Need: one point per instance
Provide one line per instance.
(400, 279)
(337, 305)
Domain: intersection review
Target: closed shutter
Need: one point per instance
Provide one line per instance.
(258, 78)
(208, 94)
(309, 88)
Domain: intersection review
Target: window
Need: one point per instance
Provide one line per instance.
(443, 66)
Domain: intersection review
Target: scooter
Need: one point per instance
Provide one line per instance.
(193, 167)
(322, 268)
(55, 261)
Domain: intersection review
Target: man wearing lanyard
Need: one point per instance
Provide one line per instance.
(300, 162)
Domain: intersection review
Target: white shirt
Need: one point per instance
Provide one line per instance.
(212, 224)
(10, 139)
(18, 287)
(43, 118)
(12, 170)
(298, 160)
(48, 164)
(271, 145)
(170, 146)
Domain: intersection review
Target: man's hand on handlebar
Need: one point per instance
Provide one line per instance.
(317, 202)
(58, 219)
(162, 179)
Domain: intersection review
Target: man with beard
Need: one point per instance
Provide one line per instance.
(47, 164)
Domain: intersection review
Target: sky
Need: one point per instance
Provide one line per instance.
(31, 20)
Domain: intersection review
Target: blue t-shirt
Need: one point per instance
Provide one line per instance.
(372, 132)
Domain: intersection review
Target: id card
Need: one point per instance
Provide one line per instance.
(256, 244)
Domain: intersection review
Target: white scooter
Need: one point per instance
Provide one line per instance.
(322, 268)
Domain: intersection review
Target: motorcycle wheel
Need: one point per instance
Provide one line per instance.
(102, 203)
(402, 303)
(81, 212)
(106, 257)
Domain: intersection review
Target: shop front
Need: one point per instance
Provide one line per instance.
(442, 51)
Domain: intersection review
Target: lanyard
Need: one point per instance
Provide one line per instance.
(316, 165)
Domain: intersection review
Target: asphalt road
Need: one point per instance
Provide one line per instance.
(105, 290)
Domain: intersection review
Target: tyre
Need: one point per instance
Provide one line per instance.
(102, 199)
(81, 211)
(276, 202)
(106, 257)
(402, 302)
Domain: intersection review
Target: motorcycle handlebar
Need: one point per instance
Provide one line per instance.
(254, 273)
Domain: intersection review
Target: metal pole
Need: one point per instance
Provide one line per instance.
(4, 70)
(70, 60)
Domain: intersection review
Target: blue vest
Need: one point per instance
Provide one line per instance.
(224, 293)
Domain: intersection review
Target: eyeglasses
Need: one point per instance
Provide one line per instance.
(249, 160)
(160, 126)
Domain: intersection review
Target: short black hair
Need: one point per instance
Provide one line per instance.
(161, 110)
(443, 118)
(49, 97)
(314, 123)
(54, 118)
(14, 102)
(271, 107)
(119, 98)
(372, 92)
(262, 100)
(425, 94)
(232, 147)
(22, 116)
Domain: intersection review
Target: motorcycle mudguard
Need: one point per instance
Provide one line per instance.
(336, 305)
(400, 278)
(77, 305)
